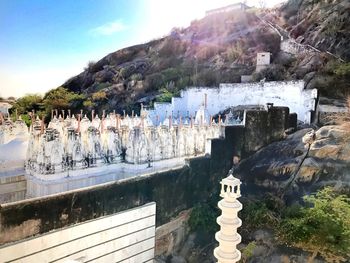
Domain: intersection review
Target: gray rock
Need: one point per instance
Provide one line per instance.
(177, 259)
(263, 236)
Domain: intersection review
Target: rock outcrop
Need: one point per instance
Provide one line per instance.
(306, 161)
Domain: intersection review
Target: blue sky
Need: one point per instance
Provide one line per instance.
(45, 42)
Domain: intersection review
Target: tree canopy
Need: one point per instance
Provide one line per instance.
(60, 98)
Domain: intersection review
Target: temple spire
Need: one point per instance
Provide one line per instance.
(228, 237)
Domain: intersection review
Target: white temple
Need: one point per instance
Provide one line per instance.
(228, 237)
(75, 143)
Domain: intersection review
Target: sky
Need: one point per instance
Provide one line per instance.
(44, 42)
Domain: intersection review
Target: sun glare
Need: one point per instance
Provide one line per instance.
(164, 15)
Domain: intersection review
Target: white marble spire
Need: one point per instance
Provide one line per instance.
(228, 237)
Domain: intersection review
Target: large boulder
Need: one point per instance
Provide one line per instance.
(305, 161)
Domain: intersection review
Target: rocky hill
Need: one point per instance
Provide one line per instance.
(216, 49)
(323, 24)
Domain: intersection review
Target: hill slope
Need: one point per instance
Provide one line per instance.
(220, 48)
(211, 50)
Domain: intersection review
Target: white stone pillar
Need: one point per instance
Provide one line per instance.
(228, 237)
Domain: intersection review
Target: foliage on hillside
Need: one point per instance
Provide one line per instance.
(322, 227)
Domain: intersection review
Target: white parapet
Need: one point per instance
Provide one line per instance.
(228, 237)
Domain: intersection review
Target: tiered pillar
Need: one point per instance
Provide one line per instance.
(228, 237)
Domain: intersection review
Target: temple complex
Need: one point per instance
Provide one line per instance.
(75, 143)
(84, 149)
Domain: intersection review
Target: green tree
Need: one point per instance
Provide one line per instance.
(61, 99)
(28, 103)
(322, 227)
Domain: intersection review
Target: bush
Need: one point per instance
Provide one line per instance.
(136, 77)
(154, 81)
(100, 95)
(256, 215)
(272, 73)
(207, 78)
(88, 104)
(321, 227)
(90, 66)
(236, 51)
(247, 252)
(61, 99)
(171, 74)
(203, 218)
(342, 70)
(165, 96)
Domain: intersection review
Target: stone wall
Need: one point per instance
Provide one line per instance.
(263, 127)
(282, 93)
(129, 236)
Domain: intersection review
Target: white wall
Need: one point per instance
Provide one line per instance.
(282, 93)
(128, 236)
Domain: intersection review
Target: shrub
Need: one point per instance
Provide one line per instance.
(256, 215)
(171, 74)
(184, 82)
(322, 227)
(247, 252)
(99, 95)
(136, 77)
(90, 65)
(207, 77)
(342, 70)
(272, 73)
(88, 104)
(154, 81)
(165, 96)
(236, 51)
(203, 218)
